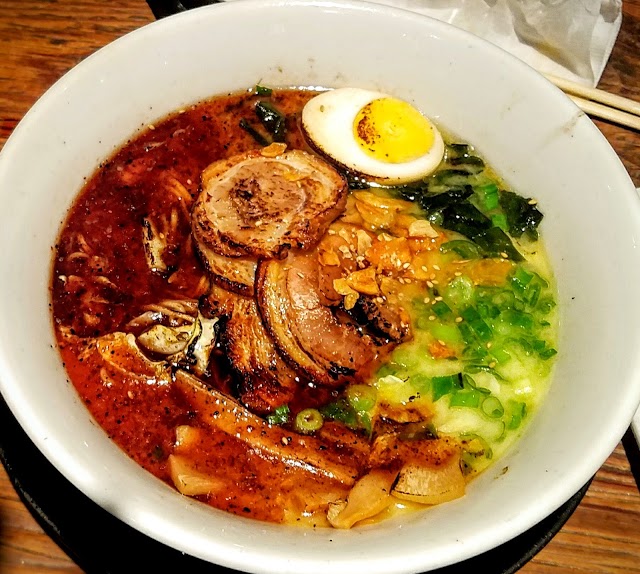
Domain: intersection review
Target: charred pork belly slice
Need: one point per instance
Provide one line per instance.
(315, 341)
(252, 205)
(383, 320)
(265, 381)
(236, 274)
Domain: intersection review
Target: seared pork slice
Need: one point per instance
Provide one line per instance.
(236, 274)
(265, 381)
(326, 349)
(252, 205)
(384, 320)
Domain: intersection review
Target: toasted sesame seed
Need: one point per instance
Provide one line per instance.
(458, 319)
(426, 300)
(504, 255)
(189, 182)
(435, 282)
(436, 267)
(432, 317)
(533, 201)
(438, 298)
(429, 284)
(424, 268)
(457, 273)
(152, 127)
(489, 345)
(492, 364)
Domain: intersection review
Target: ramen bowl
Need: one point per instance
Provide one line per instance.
(535, 138)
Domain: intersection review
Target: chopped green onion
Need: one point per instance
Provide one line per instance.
(470, 443)
(469, 383)
(477, 324)
(441, 309)
(386, 369)
(516, 412)
(361, 397)
(441, 386)
(466, 249)
(489, 196)
(519, 319)
(459, 293)
(548, 353)
(420, 382)
(342, 411)
(446, 333)
(473, 369)
(308, 421)
(492, 407)
(279, 416)
(500, 220)
(262, 90)
(466, 398)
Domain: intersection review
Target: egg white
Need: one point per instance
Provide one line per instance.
(327, 120)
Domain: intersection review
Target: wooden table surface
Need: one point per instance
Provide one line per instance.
(41, 40)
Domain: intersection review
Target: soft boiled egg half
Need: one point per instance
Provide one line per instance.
(373, 135)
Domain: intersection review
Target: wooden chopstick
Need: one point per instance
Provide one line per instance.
(600, 103)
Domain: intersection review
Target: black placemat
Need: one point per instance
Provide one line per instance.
(100, 543)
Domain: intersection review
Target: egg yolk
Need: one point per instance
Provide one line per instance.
(392, 131)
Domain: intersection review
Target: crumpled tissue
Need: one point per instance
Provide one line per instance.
(572, 39)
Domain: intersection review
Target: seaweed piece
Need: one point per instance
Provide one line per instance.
(472, 223)
(253, 132)
(496, 242)
(523, 217)
(355, 182)
(472, 163)
(272, 120)
(434, 201)
(450, 178)
(465, 219)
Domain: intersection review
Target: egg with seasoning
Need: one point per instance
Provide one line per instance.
(373, 135)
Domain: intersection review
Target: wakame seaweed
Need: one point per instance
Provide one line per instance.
(272, 120)
(457, 198)
(253, 132)
(523, 217)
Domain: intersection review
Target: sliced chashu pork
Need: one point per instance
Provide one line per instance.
(327, 349)
(257, 206)
(236, 274)
(264, 379)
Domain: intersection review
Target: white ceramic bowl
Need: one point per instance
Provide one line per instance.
(527, 129)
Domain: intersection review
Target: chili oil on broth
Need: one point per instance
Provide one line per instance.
(109, 286)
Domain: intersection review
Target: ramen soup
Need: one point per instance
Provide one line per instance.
(305, 307)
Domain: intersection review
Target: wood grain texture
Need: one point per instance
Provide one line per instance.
(41, 40)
